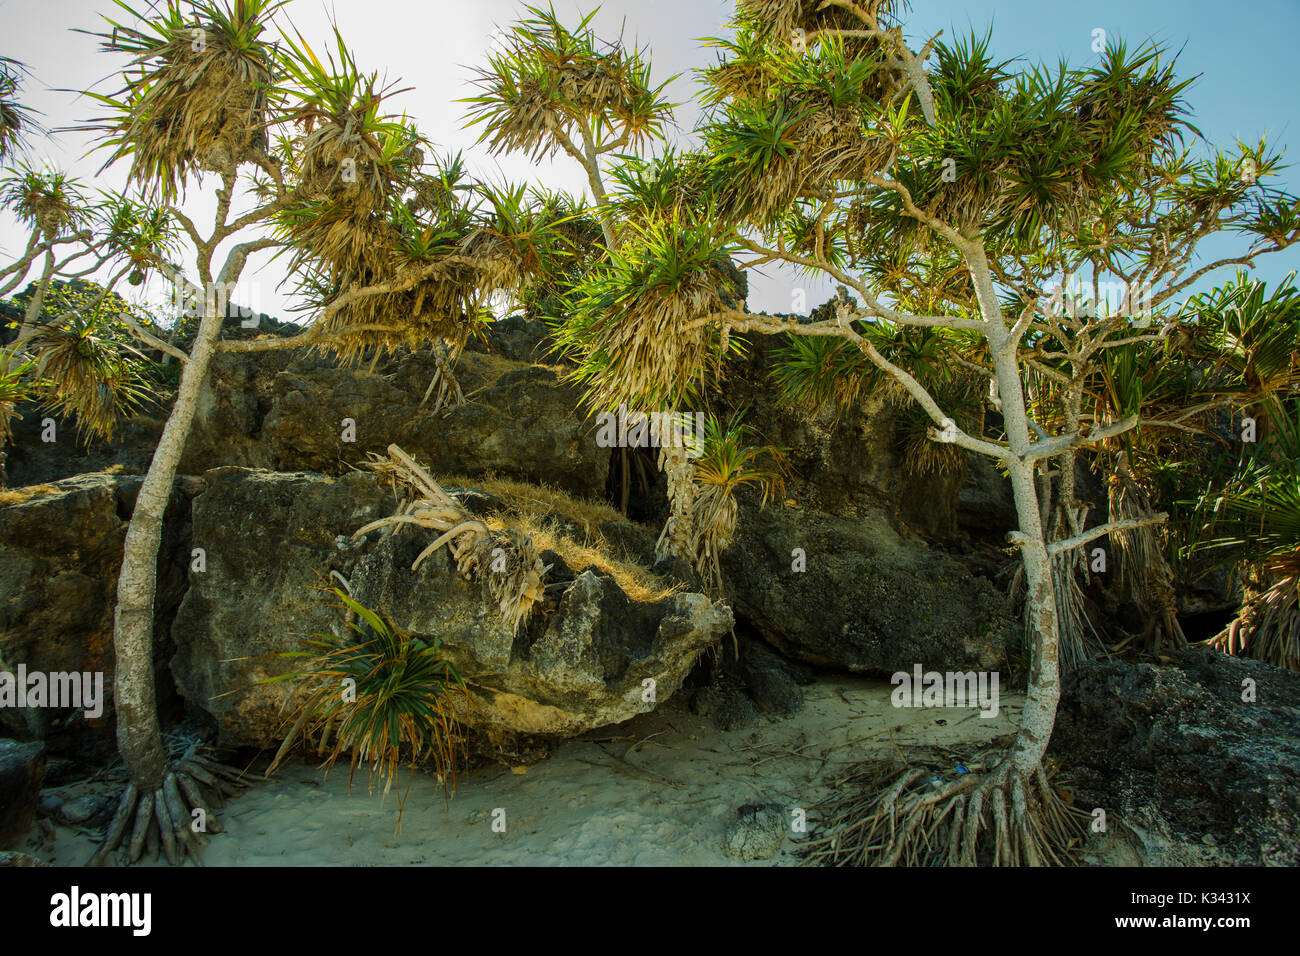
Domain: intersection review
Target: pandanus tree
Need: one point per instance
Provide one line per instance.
(54, 207)
(1254, 520)
(302, 159)
(1251, 519)
(1115, 346)
(16, 120)
(73, 350)
(550, 89)
(829, 150)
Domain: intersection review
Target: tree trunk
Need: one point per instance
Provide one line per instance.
(1039, 714)
(37, 301)
(1038, 717)
(677, 534)
(139, 736)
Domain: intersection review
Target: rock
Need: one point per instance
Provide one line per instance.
(271, 542)
(723, 700)
(870, 599)
(985, 507)
(842, 462)
(22, 770)
(87, 809)
(49, 804)
(581, 663)
(270, 538)
(20, 859)
(30, 460)
(737, 689)
(769, 682)
(515, 338)
(1176, 755)
(60, 550)
(631, 542)
(758, 832)
(63, 770)
(286, 412)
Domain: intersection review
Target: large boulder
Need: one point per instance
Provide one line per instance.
(1198, 760)
(870, 599)
(270, 541)
(31, 459)
(585, 659)
(984, 505)
(287, 412)
(22, 768)
(60, 551)
(582, 662)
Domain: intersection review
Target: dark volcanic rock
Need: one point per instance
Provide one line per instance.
(287, 412)
(271, 537)
(30, 460)
(746, 679)
(515, 338)
(271, 540)
(847, 463)
(22, 768)
(60, 550)
(870, 599)
(1195, 773)
(984, 505)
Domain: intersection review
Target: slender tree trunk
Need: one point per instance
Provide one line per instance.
(139, 736)
(677, 534)
(1038, 717)
(37, 301)
(598, 189)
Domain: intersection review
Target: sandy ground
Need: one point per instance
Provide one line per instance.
(661, 789)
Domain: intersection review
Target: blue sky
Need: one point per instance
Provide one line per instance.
(1248, 84)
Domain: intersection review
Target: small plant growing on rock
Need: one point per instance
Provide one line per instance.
(727, 462)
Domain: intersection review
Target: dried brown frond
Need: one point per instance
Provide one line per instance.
(505, 560)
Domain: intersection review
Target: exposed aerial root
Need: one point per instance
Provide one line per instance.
(443, 387)
(163, 819)
(904, 818)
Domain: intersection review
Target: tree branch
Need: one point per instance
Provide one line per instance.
(1092, 534)
(1063, 443)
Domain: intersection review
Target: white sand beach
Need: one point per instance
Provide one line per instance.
(661, 790)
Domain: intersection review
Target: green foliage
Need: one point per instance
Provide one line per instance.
(81, 367)
(375, 695)
(48, 199)
(1256, 514)
(196, 93)
(1252, 337)
(635, 328)
(138, 234)
(16, 120)
(551, 85)
(15, 388)
(727, 460)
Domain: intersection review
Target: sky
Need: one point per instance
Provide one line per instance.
(1244, 54)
